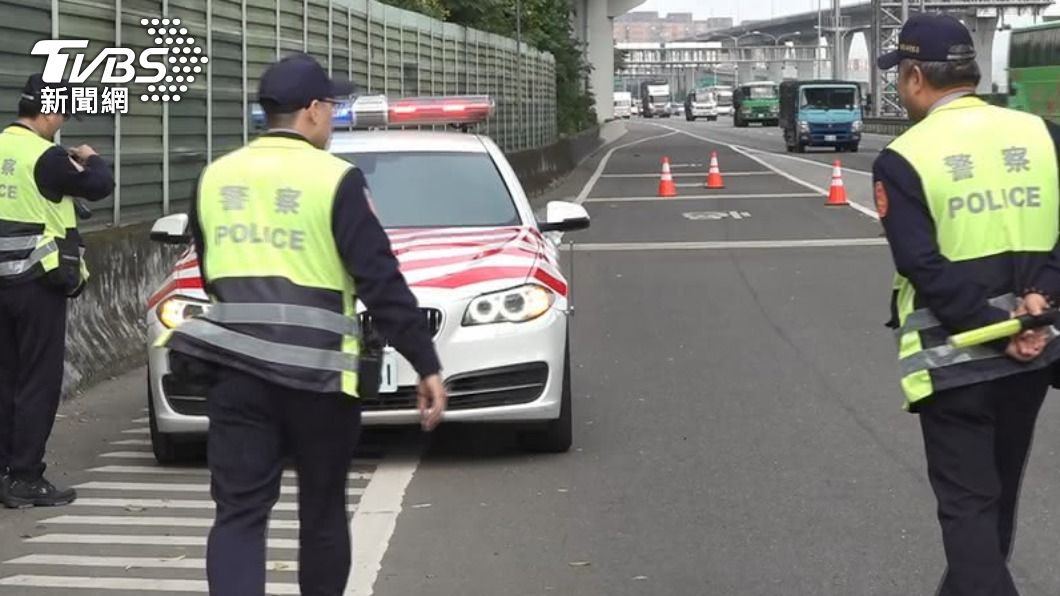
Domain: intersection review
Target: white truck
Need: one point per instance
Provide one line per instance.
(655, 99)
(623, 104)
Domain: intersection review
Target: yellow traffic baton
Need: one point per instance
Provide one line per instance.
(1004, 329)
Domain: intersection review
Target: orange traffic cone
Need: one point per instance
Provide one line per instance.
(837, 194)
(667, 188)
(714, 175)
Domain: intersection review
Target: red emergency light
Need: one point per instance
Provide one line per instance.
(464, 110)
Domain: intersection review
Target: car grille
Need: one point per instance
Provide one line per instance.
(832, 128)
(504, 386)
(433, 316)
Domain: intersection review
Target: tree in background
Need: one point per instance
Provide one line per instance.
(546, 25)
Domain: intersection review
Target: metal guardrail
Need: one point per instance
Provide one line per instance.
(886, 126)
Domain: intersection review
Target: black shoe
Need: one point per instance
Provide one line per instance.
(5, 484)
(36, 493)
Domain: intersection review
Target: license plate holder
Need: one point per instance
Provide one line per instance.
(388, 373)
(830, 138)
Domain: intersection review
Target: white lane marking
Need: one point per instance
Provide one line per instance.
(137, 431)
(142, 420)
(788, 195)
(728, 245)
(803, 160)
(703, 175)
(859, 208)
(373, 524)
(121, 503)
(715, 215)
(152, 521)
(133, 562)
(145, 540)
(195, 471)
(133, 584)
(172, 487)
(129, 454)
(138, 442)
(588, 188)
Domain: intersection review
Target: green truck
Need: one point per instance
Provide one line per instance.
(1034, 70)
(756, 102)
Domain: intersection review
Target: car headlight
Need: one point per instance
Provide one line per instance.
(175, 310)
(804, 126)
(515, 305)
(857, 125)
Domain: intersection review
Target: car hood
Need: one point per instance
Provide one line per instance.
(458, 262)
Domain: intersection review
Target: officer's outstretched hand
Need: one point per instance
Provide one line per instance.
(1029, 344)
(431, 399)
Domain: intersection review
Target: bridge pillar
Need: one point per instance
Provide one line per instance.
(745, 72)
(983, 30)
(776, 69)
(804, 70)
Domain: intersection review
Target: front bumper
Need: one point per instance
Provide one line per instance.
(494, 373)
(821, 138)
(704, 113)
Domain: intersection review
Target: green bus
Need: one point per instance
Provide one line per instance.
(1034, 70)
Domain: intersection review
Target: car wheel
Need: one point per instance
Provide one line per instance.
(557, 435)
(167, 448)
(854, 148)
(800, 148)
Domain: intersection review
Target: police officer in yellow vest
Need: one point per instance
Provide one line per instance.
(40, 267)
(287, 242)
(969, 200)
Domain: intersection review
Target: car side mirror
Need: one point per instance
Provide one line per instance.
(171, 229)
(564, 216)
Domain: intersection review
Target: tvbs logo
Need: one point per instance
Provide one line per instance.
(166, 69)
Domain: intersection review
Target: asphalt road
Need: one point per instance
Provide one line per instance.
(738, 423)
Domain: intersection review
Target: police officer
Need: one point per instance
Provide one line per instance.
(40, 267)
(287, 242)
(969, 200)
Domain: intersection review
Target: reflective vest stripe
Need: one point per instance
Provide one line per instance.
(945, 355)
(282, 314)
(12, 268)
(922, 319)
(20, 242)
(267, 351)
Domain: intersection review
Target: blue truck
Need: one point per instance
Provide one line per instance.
(821, 114)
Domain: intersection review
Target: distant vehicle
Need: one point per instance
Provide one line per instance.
(701, 103)
(756, 102)
(821, 114)
(623, 104)
(676, 109)
(1034, 70)
(635, 108)
(723, 97)
(655, 99)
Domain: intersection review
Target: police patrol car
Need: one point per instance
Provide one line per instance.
(483, 267)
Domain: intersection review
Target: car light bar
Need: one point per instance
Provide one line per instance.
(377, 110)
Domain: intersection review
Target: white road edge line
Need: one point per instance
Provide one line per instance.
(373, 524)
(690, 175)
(802, 159)
(726, 245)
(793, 195)
(859, 208)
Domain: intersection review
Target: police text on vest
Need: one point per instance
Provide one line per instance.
(989, 200)
(281, 238)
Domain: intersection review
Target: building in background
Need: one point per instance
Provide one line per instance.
(648, 26)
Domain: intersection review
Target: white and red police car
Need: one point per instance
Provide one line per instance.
(484, 269)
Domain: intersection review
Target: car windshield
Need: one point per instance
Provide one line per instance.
(829, 98)
(762, 92)
(660, 98)
(436, 189)
(725, 98)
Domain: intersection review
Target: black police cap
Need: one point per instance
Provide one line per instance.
(296, 81)
(930, 38)
(33, 90)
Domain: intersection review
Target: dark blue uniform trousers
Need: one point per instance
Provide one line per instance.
(254, 425)
(976, 439)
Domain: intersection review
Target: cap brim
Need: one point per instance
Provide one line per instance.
(889, 60)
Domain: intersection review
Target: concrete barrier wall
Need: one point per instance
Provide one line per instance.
(106, 328)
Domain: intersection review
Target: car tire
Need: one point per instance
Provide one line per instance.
(167, 448)
(800, 148)
(853, 148)
(557, 435)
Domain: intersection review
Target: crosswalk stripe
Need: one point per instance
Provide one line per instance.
(145, 420)
(152, 521)
(137, 540)
(186, 488)
(137, 431)
(193, 471)
(129, 454)
(133, 562)
(167, 504)
(129, 584)
(140, 442)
